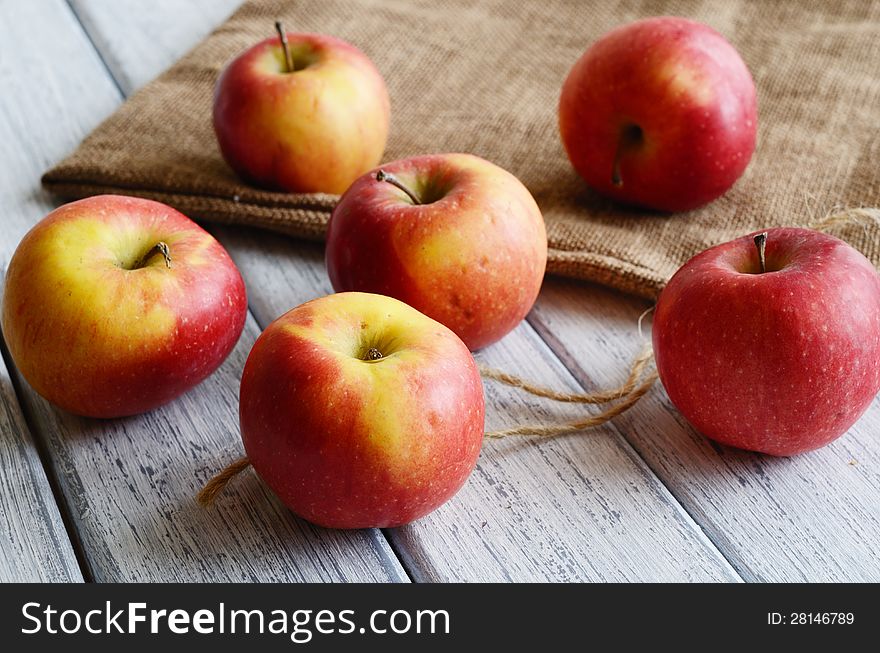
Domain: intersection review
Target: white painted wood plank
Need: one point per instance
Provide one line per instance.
(813, 517)
(572, 509)
(129, 484)
(165, 30)
(34, 546)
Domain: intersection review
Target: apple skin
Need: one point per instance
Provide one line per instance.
(101, 340)
(472, 256)
(310, 131)
(678, 100)
(350, 443)
(781, 362)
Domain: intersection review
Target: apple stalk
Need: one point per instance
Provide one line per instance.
(162, 248)
(761, 244)
(394, 181)
(630, 137)
(288, 59)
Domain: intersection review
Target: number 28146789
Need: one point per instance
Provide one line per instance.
(810, 618)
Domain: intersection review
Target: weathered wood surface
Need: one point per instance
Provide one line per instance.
(584, 507)
(129, 484)
(34, 545)
(576, 509)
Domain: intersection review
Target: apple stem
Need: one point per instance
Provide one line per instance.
(284, 45)
(160, 247)
(394, 181)
(761, 244)
(373, 354)
(630, 136)
(166, 253)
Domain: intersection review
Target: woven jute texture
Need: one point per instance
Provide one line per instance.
(484, 77)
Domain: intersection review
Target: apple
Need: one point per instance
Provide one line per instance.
(358, 411)
(780, 357)
(452, 235)
(304, 113)
(114, 305)
(659, 113)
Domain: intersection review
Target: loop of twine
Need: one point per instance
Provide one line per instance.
(628, 393)
(634, 388)
(550, 430)
(601, 397)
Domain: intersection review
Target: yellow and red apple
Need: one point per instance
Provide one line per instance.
(358, 411)
(660, 113)
(115, 305)
(780, 357)
(306, 116)
(456, 237)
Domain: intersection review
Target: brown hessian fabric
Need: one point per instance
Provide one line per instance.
(484, 77)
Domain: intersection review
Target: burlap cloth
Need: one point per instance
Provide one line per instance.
(484, 77)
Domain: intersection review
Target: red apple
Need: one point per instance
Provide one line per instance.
(115, 305)
(452, 235)
(358, 411)
(310, 129)
(660, 113)
(781, 361)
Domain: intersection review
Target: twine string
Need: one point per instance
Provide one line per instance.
(550, 430)
(601, 397)
(219, 482)
(626, 396)
(858, 215)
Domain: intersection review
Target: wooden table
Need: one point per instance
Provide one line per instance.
(643, 499)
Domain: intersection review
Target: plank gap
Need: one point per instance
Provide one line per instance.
(401, 558)
(49, 469)
(88, 35)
